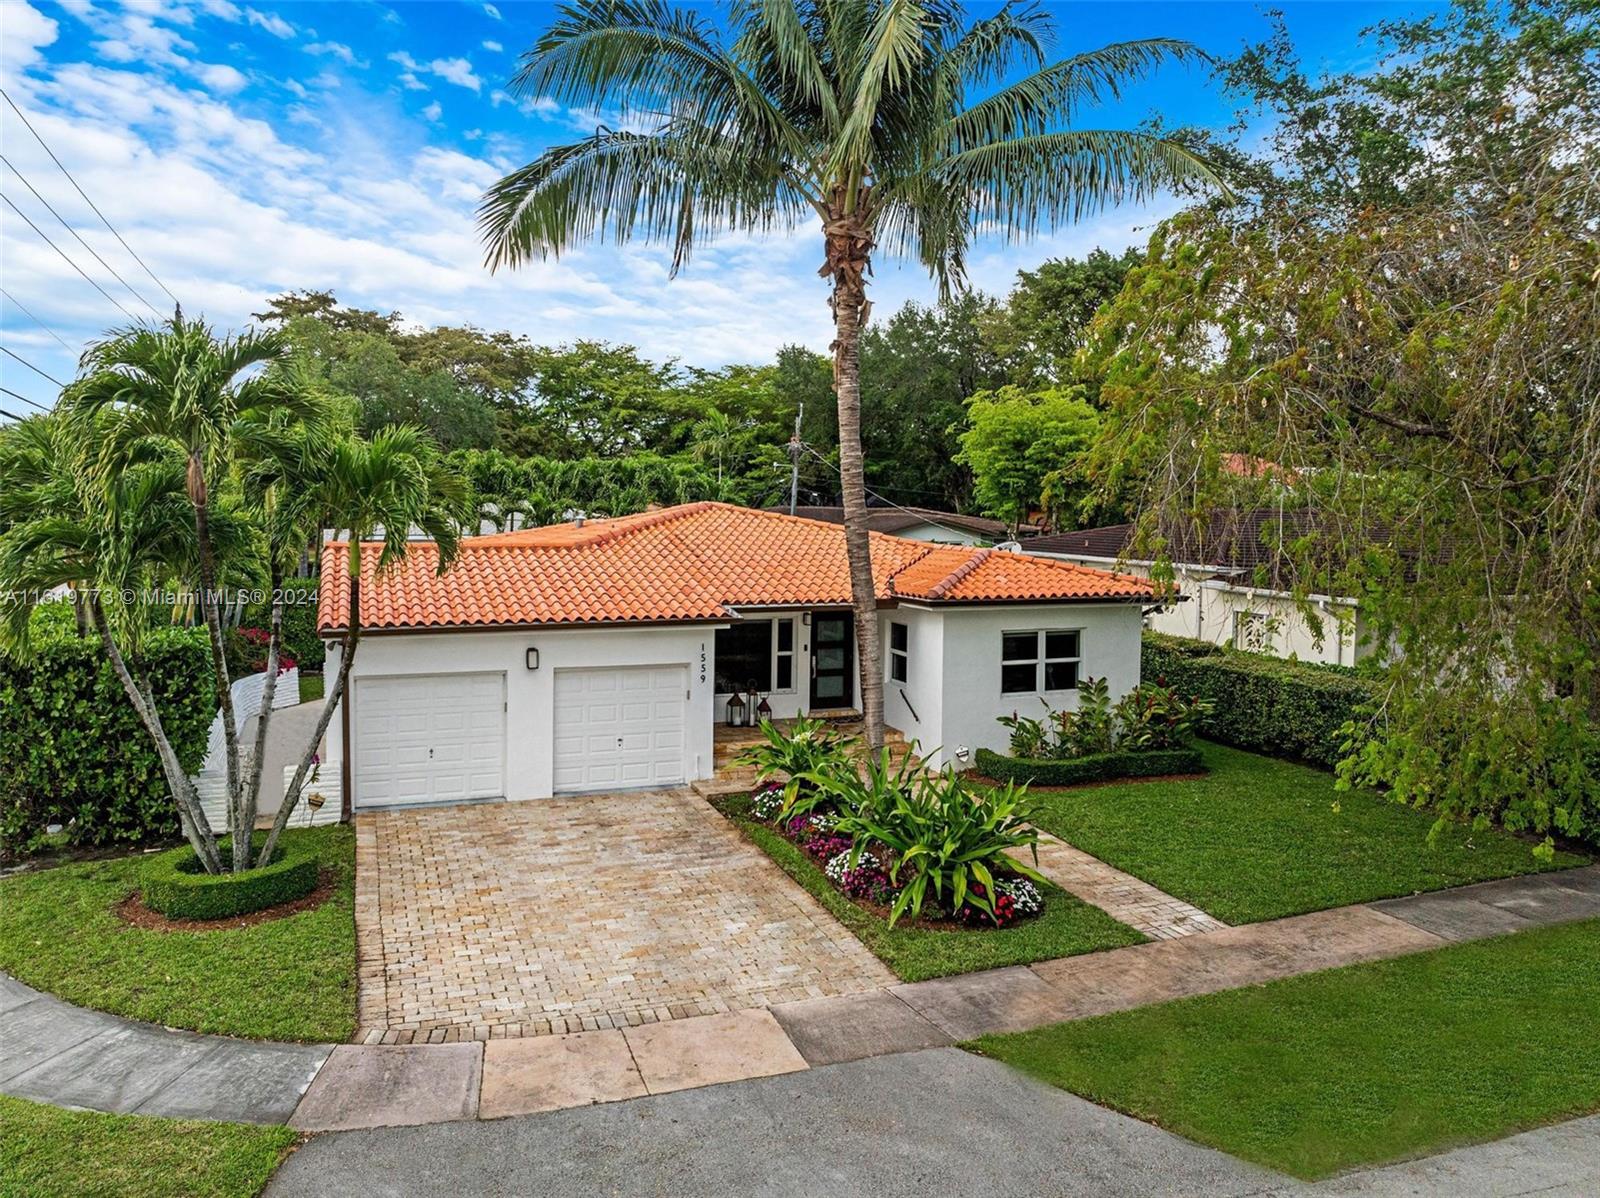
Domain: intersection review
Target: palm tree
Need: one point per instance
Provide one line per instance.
(889, 122)
(385, 486)
(113, 543)
(176, 387)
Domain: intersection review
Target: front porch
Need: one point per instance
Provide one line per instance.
(730, 777)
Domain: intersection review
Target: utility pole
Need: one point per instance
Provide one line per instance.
(795, 448)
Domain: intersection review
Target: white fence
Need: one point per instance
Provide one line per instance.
(211, 783)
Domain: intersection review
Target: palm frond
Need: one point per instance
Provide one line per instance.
(1045, 100)
(1021, 185)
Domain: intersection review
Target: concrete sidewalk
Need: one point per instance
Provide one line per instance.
(912, 1124)
(53, 1052)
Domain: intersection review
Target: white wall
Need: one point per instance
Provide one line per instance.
(945, 534)
(530, 694)
(1207, 614)
(972, 703)
(924, 686)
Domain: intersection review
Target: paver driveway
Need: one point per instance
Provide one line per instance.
(579, 913)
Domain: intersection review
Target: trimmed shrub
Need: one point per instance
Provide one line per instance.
(174, 884)
(72, 749)
(1100, 767)
(1266, 704)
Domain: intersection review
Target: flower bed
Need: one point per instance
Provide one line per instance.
(990, 890)
(1148, 733)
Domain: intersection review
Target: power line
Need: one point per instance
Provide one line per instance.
(84, 194)
(79, 236)
(24, 399)
(11, 415)
(920, 515)
(36, 320)
(66, 259)
(31, 366)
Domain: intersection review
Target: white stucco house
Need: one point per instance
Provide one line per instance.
(599, 655)
(1233, 584)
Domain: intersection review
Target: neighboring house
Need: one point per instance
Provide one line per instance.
(1234, 584)
(921, 524)
(599, 655)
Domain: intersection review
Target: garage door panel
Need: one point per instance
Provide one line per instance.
(621, 727)
(429, 738)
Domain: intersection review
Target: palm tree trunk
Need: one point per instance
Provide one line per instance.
(849, 249)
(191, 816)
(219, 662)
(347, 657)
(250, 792)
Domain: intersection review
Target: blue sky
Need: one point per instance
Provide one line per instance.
(245, 147)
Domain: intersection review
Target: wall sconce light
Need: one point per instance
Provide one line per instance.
(532, 658)
(962, 753)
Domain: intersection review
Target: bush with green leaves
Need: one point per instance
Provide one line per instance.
(1101, 767)
(1149, 717)
(945, 839)
(175, 884)
(803, 757)
(72, 750)
(1265, 704)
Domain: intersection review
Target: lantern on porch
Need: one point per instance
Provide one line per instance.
(736, 710)
(763, 711)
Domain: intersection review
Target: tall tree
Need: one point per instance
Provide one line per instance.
(859, 117)
(1405, 322)
(177, 387)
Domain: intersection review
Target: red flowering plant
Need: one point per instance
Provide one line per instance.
(252, 646)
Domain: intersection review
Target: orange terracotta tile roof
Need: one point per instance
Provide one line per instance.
(698, 561)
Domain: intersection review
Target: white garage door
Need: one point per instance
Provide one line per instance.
(620, 729)
(429, 738)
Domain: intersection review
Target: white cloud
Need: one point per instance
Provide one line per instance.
(493, 47)
(457, 71)
(220, 77)
(270, 21)
(23, 34)
(405, 60)
(337, 50)
(433, 111)
(493, 12)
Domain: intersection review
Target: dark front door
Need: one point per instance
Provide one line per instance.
(833, 641)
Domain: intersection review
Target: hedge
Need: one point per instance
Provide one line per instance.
(72, 749)
(1267, 704)
(1144, 763)
(174, 884)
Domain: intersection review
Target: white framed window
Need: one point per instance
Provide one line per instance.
(899, 653)
(783, 656)
(1040, 660)
(1252, 632)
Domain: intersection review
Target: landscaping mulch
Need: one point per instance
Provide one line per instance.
(133, 912)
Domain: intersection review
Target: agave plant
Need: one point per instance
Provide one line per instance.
(943, 836)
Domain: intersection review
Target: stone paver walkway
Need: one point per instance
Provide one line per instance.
(581, 914)
(1136, 903)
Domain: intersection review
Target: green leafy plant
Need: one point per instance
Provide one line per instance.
(176, 884)
(1156, 716)
(1092, 727)
(804, 757)
(1029, 737)
(867, 790)
(943, 836)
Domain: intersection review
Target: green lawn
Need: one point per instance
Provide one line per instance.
(1354, 1066)
(285, 979)
(1065, 928)
(310, 687)
(46, 1151)
(1259, 839)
